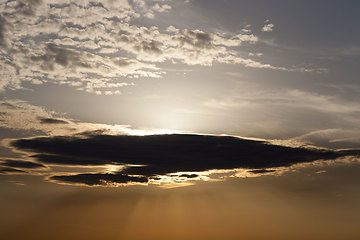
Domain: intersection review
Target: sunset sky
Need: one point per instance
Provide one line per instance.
(179, 119)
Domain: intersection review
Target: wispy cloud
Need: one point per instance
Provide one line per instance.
(288, 98)
(19, 166)
(21, 115)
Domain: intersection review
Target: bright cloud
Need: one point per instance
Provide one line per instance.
(96, 47)
(268, 27)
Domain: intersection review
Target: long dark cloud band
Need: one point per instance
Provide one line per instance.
(164, 154)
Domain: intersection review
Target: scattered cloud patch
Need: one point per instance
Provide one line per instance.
(96, 47)
(255, 54)
(268, 27)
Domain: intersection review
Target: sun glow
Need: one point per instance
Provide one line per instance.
(142, 132)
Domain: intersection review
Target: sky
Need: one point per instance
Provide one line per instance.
(179, 116)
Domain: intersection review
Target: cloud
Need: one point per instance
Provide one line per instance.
(61, 56)
(149, 157)
(340, 138)
(6, 170)
(268, 27)
(255, 54)
(261, 171)
(20, 164)
(156, 156)
(150, 8)
(95, 45)
(21, 115)
(99, 179)
(192, 47)
(39, 53)
(3, 29)
(52, 121)
(287, 113)
(287, 98)
(189, 175)
(8, 74)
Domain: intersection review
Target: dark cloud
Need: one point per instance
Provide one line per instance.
(189, 175)
(123, 62)
(99, 179)
(10, 170)
(9, 105)
(259, 171)
(62, 56)
(151, 47)
(165, 154)
(28, 7)
(3, 29)
(169, 153)
(21, 164)
(197, 39)
(52, 121)
(59, 159)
